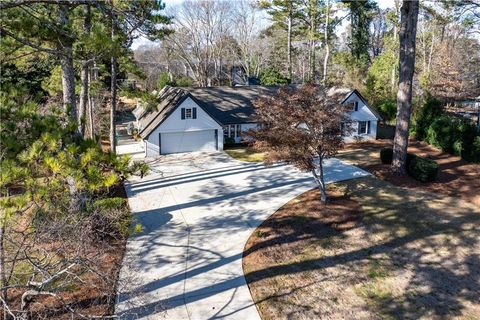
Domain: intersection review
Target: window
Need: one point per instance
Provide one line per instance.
(363, 127)
(225, 131)
(188, 113)
(355, 105)
(239, 131)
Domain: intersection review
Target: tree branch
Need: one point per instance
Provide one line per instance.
(16, 3)
(30, 44)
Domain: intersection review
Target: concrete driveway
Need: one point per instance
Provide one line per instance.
(197, 211)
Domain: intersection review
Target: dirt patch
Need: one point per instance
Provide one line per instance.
(456, 177)
(93, 297)
(380, 251)
(94, 294)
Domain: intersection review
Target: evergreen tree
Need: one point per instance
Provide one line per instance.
(360, 18)
(285, 15)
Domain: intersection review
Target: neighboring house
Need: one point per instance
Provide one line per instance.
(203, 119)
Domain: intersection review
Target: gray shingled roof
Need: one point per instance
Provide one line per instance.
(170, 98)
(227, 105)
(230, 105)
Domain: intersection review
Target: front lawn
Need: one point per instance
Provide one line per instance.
(456, 177)
(377, 251)
(245, 154)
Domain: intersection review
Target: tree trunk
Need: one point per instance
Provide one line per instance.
(289, 42)
(91, 103)
(84, 77)
(68, 72)
(3, 275)
(327, 45)
(83, 98)
(319, 179)
(408, 30)
(113, 90)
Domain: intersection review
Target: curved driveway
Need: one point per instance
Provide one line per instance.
(197, 211)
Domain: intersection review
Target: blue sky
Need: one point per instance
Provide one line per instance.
(170, 3)
(382, 3)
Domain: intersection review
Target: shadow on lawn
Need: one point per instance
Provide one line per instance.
(434, 240)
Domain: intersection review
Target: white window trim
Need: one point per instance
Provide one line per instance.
(366, 128)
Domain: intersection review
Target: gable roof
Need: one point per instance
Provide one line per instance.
(372, 109)
(230, 105)
(226, 105)
(170, 98)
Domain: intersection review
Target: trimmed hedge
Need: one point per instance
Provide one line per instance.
(386, 155)
(421, 169)
(474, 152)
(448, 132)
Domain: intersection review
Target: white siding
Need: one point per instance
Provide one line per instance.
(174, 123)
(363, 114)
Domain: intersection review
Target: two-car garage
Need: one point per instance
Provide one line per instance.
(179, 125)
(188, 141)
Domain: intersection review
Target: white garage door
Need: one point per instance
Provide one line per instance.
(176, 142)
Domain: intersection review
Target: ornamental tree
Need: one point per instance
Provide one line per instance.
(301, 126)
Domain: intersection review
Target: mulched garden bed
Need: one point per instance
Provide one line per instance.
(456, 177)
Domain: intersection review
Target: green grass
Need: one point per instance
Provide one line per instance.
(245, 154)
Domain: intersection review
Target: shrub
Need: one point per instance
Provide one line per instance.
(272, 77)
(184, 82)
(442, 134)
(422, 169)
(111, 218)
(428, 112)
(464, 137)
(388, 109)
(453, 135)
(386, 155)
(164, 80)
(473, 153)
(229, 141)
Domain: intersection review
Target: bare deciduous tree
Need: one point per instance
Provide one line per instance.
(302, 126)
(201, 28)
(253, 51)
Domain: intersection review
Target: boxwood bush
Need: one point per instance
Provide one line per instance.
(473, 154)
(419, 168)
(423, 169)
(386, 155)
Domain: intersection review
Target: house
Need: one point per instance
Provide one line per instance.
(203, 119)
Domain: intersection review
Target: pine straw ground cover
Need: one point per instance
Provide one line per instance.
(456, 177)
(376, 251)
